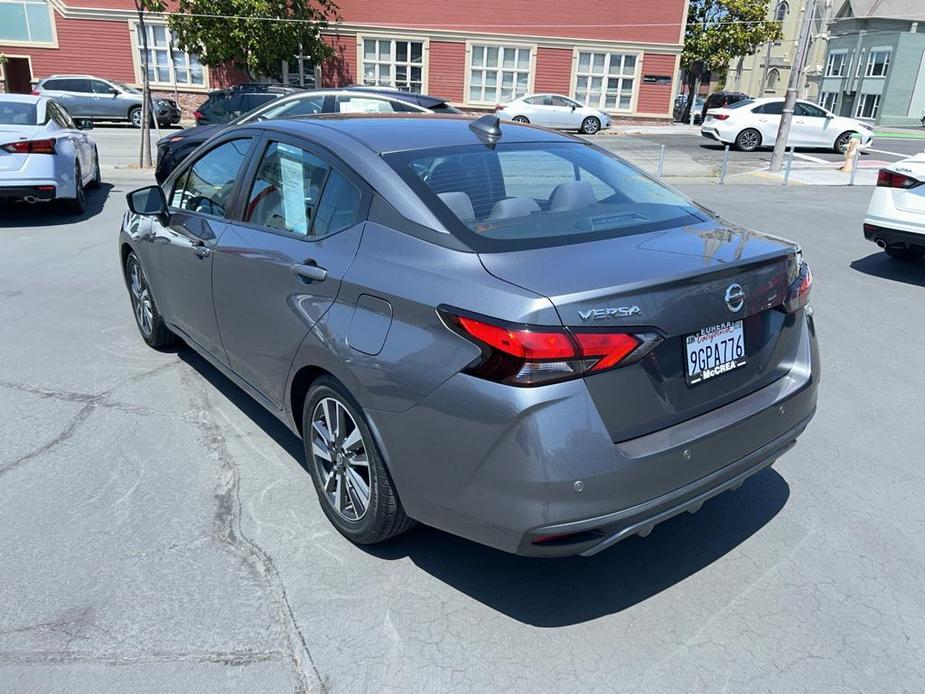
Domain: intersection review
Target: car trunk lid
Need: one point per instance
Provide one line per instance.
(15, 133)
(674, 283)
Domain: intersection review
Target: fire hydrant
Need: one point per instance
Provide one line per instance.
(851, 152)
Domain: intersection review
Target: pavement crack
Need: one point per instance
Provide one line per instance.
(68, 431)
(229, 534)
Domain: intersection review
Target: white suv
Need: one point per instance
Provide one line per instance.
(753, 123)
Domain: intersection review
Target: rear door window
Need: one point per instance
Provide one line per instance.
(208, 186)
(286, 190)
(308, 106)
(775, 108)
(100, 87)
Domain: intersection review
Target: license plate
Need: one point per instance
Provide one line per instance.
(714, 351)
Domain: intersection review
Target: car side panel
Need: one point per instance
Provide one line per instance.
(418, 353)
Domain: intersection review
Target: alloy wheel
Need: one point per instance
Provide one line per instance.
(590, 126)
(340, 454)
(135, 117)
(142, 306)
(749, 140)
(520, 119)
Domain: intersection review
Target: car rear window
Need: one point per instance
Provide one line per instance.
(17, 113)
(740, 104)
(512, 196)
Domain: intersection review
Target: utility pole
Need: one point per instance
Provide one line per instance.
(144, 157)
(793, 86)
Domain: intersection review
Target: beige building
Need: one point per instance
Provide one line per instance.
(767, 72)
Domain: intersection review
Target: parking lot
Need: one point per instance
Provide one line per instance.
(161, 534)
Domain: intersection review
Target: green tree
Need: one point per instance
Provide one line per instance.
(254, 35)
(720, 30)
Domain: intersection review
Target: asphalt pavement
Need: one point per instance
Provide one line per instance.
(161, 535)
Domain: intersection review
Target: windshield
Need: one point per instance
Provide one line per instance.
(523, 195)
(126, 88)
(17, 113)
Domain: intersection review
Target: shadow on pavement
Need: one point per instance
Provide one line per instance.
(883, 266)
(49, 214)
(274, 428)
(559, 592)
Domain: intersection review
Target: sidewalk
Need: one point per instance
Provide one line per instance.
(818, 173)
(662, 129)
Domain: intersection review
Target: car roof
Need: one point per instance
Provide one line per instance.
(389, 132)
(23, 98)
(89, 77)
(425, 100)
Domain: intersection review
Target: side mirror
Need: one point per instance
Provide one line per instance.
(573, 107)
(149, 201)
(114, 91)
(83, 123)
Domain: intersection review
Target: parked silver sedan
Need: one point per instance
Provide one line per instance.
(555, 111)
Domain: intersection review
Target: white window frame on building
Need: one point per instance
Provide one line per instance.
(182, 63)
(862, 104)
(883, 65)
(392, 63)
(607, 79)
(830, 62)
(300, 71)
(497, 73)
(829, 101)
(38, 20)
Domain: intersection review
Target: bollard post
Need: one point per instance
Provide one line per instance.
(854, 165)
(661, 162)
(789, 164)
(722, 173)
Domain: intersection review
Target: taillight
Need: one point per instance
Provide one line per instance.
(36, 92)
(798, 294)
(892, 179)
(719, 116)
(30, 146)
(198, 115)
(524, 355)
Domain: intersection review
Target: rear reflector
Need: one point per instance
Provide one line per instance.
(30, 146)
(891, 179)
(526, 355)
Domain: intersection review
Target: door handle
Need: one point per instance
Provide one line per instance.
(309, 271)
(199, 247)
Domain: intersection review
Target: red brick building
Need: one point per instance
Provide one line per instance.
(620, 55)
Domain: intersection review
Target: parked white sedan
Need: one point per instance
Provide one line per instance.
(895, 218)
(555, 111)
(44, 155)
(753, 123)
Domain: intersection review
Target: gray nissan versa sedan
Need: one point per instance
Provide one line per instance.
(493, 329)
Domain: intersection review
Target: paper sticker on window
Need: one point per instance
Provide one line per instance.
(292, 178)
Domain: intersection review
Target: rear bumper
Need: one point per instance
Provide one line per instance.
(40, 192)
(894, 237)
(506, 466)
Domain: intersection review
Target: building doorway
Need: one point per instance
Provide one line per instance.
(18, 72)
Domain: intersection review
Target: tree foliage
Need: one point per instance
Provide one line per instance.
(254, 35)
(720, 30)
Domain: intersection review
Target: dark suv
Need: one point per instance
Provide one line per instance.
(721, 100)
(224, 105)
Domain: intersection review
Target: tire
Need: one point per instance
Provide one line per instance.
(134, 116)
(590, 125)
(904, 254)
(147, 318)
(841, 142)
(77, 204)
(521, 119)
(748, 140)
(338, 481)
(97, 178)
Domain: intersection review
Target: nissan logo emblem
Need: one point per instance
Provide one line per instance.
(735, 297)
